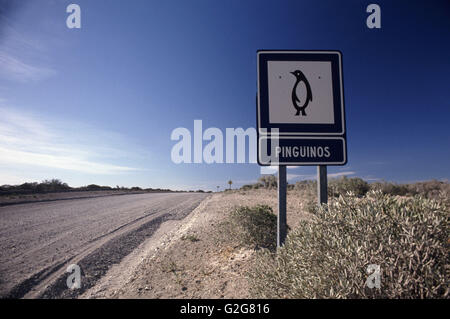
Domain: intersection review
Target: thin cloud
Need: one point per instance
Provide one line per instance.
(341, 174)
(23, 56)
(26, 141)
(376, 163)
(9, 156)
(270, 170)
(371, 178)
(13, 68)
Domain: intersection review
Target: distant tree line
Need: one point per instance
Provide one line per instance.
(56, 185)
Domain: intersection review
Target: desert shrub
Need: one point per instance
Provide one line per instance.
(343, 185)
(268, 181)
(258, 186)
(94, 187)
(328, 256)
(306, 185)
(391, 188)
(429, 189)
(246, 187)
(255, 227)
(52, 185)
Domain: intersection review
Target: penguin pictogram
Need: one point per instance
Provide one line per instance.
(299, 106)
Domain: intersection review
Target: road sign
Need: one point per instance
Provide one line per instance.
(300, 117)
(300, 108)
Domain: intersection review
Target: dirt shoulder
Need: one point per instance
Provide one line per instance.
(187, 259)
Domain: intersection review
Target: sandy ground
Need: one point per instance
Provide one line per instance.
(186, 259)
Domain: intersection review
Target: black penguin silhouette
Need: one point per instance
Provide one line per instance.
(295, 100)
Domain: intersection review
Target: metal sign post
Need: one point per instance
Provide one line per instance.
(281, 222)
(322, 192)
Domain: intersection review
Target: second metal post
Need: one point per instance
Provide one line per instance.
(282, 225)
(322, 184)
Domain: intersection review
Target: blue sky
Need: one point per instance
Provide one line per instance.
(98, 104)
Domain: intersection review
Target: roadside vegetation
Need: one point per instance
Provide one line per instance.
(359, 187)
(401, 228)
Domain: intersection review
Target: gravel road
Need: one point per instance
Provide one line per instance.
(39, 240)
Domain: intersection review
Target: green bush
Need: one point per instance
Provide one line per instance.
(254, 227)
(328, 256)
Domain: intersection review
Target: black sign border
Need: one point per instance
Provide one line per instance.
(333, 56)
